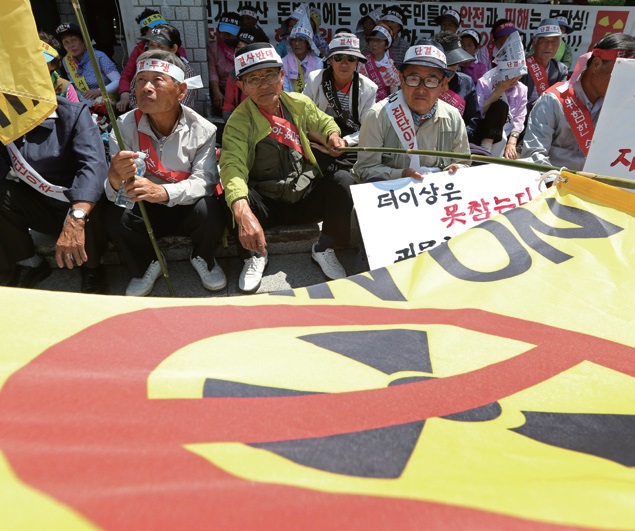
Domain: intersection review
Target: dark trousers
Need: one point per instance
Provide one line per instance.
(328, 200)
(203, 222)
(23, 208)
(491, 126)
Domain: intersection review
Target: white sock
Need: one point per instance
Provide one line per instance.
(487, 143)
(34, 261)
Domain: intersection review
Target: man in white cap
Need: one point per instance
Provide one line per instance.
(180, 181)
(269, 172)
(342, 93)
(450, 21)
(413, 118)
(561, 124)
(543, 70)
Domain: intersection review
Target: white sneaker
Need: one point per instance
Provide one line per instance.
(213, 280)
(329, 263)
(140, 287)
(251, 275)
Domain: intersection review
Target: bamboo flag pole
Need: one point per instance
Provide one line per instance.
(542, 168)
(117, 132)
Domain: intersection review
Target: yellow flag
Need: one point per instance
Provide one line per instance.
(27, 96)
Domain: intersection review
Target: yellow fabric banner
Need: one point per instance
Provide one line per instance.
(487, 384)
(27, 96)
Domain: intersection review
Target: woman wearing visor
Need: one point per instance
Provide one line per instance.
(379, 66)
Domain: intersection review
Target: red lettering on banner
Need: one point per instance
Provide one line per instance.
(621, 159)
(403, 123)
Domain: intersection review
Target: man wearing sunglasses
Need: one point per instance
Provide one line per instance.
(344, 94)
(413, 118)
(269, 172)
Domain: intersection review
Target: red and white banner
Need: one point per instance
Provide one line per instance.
(589, 23)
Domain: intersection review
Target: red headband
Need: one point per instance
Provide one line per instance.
(612, 55)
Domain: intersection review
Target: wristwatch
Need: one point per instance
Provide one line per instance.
(78, 214)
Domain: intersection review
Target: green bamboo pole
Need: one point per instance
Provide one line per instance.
(542, 168)
(122, 145)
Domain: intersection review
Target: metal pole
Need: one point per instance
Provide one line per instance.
(542, 168)
(122, 145)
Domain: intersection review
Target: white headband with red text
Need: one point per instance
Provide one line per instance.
(163, 67)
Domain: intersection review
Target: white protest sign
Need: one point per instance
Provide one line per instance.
(612, 150)
(402, 218)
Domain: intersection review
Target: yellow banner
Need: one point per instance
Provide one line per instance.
(487, 384)
(27, 96)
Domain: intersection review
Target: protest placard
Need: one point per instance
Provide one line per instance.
(402, 218)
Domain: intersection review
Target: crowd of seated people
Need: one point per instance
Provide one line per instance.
(287, 112)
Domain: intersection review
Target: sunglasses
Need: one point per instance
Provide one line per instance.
(338, 57)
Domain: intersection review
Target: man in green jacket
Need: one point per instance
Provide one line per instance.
(269, 172)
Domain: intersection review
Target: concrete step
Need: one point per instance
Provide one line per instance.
(283, 239)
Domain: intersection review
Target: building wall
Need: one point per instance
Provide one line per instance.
(188, 16)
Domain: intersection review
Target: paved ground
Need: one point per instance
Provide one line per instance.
(284, 271)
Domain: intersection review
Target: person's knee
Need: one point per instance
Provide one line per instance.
(210, 210)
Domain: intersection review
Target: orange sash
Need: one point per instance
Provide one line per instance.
(539, 74)
(154, 166)
(285, 132)
(577, 114)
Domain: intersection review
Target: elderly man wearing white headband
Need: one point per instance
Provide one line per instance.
(543, 70)
(180, 180)
(269, 172)
(413, 118)
(561, 124)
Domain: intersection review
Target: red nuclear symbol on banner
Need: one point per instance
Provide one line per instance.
(608, 22)
(118, 458)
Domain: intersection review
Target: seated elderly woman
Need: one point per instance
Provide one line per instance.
(78, 66)
(51, 48)
(380, 67)
(302, 58)
(503, 101)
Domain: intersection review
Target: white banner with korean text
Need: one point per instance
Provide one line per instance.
(612, 150)
(590, 23)
(402, 218)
